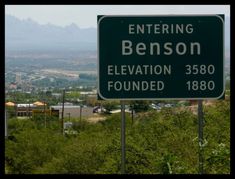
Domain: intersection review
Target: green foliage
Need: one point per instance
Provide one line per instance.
(217, 127)
(140, 106)
(31, 149)
(73, 95)
(227, 84)
(16, 126)
(19, 97)
(162, 142)
(79, 156)
(11, 112)
(218, 160)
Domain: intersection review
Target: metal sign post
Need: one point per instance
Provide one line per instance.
(123, 157)
(15, 106)
(200, 136)
(140, 57)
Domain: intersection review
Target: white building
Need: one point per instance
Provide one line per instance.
(73, 111)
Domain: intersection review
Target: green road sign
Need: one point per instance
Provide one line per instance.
(161, 57)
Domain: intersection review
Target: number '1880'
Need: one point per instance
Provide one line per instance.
(200, 85)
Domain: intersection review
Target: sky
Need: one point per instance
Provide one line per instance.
(86, 15)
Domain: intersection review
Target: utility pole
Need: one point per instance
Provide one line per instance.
(28, 108)
(45, 120)
(15, 105)
(62, 115)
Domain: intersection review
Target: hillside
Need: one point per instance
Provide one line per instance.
(163, 142)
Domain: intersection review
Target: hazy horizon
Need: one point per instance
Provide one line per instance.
(29, 34)
(85, 16)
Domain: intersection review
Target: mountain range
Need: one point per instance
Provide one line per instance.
(27, 34)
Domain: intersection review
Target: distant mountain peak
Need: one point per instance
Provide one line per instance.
(72, 28)
(73, 25)
(28, 34)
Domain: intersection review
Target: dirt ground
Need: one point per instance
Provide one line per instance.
(95, 118)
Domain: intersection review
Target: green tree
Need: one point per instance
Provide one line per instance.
(140, 106)
(30, 149)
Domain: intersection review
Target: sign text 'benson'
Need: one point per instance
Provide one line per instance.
(156, 48)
